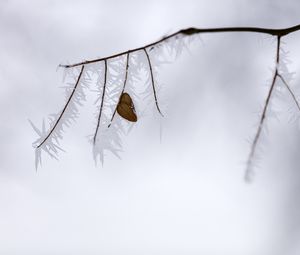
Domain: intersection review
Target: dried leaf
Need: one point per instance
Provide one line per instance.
(126, 108)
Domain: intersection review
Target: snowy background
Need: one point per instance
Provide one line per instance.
(181, 194)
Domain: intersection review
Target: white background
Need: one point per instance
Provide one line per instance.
(183, 195)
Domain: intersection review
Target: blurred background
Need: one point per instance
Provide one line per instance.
(181, 194)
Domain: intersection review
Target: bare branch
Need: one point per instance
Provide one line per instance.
(125, 80)
(64, 109)
(290, 90)
(102, 101)
(152, 80)
(192, 31)
(263, 116)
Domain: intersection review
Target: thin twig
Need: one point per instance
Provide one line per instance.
(125, 80)
(102, 101)
(290, 90)
(152, 80)
(263, 116)
(192, 31)
(64, 109)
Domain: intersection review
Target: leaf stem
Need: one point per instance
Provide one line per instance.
(125, 80)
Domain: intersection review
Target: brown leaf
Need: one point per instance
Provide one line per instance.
(126, 108)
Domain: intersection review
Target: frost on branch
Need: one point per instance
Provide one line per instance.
(280, 83)
(124, 73)
(49, 139)
(135, 73)
(287, 90)
(147, 97)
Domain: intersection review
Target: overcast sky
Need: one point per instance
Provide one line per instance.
(182, 194)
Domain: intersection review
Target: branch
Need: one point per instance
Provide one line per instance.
(263, 116)
(64, 109)
(152, 80)
(289, 89)
(279, 33)
(102, 101)
(192, 31)
(125, 80)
